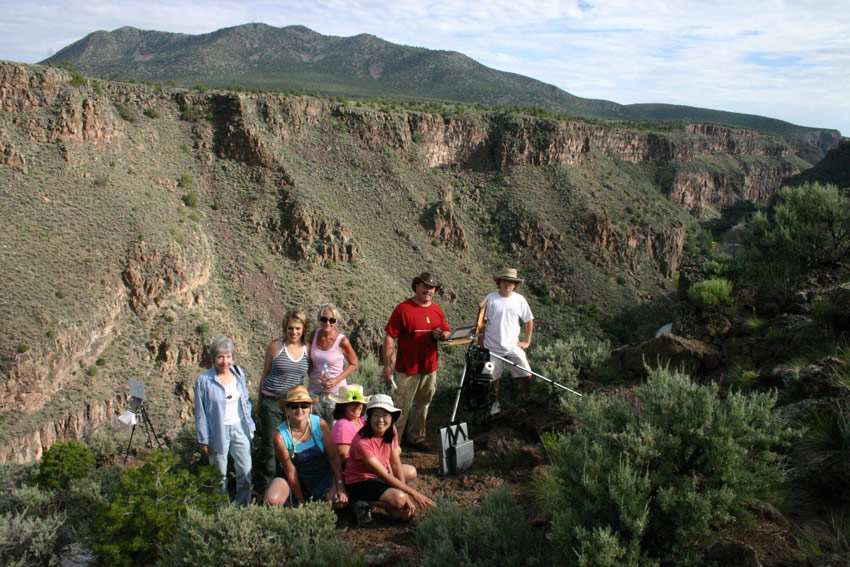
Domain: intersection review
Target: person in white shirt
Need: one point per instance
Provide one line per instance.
(508, 313)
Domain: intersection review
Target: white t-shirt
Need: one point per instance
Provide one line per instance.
(231, 406)
(503, 318)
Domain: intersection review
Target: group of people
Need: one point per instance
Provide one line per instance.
(314, 442)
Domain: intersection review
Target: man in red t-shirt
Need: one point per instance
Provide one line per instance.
(416, 325)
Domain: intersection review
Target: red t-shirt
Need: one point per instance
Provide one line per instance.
(362, 448)
(417, 352)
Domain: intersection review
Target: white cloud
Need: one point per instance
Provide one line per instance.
(721, 54)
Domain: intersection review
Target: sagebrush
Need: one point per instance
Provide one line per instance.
(646, 483)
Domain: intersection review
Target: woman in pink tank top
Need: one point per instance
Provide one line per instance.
(329, 351)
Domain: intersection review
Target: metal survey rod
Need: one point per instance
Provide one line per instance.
(535, 374)
(459, 390)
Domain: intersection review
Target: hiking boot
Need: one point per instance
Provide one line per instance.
(495, 409)
(363, 514)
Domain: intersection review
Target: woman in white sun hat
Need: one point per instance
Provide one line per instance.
(374, 475)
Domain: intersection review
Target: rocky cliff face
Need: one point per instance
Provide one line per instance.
(367, 196)
(635, 245)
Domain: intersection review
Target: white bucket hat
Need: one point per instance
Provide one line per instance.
(383, 401)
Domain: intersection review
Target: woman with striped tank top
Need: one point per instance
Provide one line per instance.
(287, 362)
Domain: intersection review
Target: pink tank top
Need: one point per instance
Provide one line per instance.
(335, 359)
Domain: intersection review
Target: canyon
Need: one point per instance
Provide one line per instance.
(143, 221)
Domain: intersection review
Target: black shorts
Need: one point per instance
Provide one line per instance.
(368, 490)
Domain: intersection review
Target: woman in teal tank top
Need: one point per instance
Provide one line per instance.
(308, 462)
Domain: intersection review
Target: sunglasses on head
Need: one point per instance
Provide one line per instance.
(330, 320)
(303, 405)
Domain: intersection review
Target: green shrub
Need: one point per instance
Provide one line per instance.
(825, 313)
(185, 180)
(106, 444)
(646, 483)
(191, 113)
(27, 541)
(495, 533)
(28, 499)
(77, 78)
(127, 112)
(562, 359)
(368, 375)
(82, 502)
(260, 535)
(827, 430)
(810, 228)
(62, 462)
(191, 199)
(150, 503)
(710, 293)
(153, 113)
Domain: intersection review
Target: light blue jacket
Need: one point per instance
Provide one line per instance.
(210, 401)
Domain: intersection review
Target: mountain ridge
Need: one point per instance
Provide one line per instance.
(296, 58)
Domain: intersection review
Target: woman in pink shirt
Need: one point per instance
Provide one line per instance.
(348, 415)
(329, 351)
(374, 475)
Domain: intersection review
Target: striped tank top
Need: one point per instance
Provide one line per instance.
(286, 373)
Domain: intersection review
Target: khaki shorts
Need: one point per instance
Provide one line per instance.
(517, 356)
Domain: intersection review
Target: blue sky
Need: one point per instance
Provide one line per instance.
(785, 59)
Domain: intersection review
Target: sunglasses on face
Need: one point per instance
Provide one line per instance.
(299, 406)
(330, 320)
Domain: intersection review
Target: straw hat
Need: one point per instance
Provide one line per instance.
(350, 393)
(383, 401)
(509, 275)
(296, 394)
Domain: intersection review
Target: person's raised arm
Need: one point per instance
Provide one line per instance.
(282, 454)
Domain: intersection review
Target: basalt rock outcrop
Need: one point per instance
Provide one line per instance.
(633, 245)
(442, 220)
(249, 128)
(679, 353)
(308, 235)
(152, 274)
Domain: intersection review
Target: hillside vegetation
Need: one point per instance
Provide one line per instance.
(295, 58)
